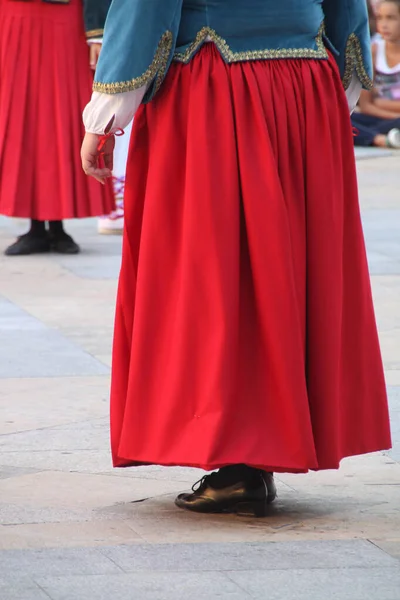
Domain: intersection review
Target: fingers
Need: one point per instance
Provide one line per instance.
(92, 164)
(94, 55)
(99, 174)
(109, 160)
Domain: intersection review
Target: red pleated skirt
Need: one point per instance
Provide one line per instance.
(45, 83)
(245, 330)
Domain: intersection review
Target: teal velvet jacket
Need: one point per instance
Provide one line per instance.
(142, 37)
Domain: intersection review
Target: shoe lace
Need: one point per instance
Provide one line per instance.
(202, 483)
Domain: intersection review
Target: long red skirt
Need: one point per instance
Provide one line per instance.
(45, 83)
(245, 331)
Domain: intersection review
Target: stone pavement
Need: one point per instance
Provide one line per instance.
(73, 529)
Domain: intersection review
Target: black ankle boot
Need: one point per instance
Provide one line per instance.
(219, 493)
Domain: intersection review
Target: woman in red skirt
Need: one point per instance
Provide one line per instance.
(45, 81)
(245, 337)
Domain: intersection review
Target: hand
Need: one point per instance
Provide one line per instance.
(91, 157)
(392, 106)
(95, 49)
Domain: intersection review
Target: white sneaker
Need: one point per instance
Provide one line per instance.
(112, 224)
(393, 138)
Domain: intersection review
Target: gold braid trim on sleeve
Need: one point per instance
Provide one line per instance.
(157, 70)
(94, 33)
(266, 54)
(354, 61)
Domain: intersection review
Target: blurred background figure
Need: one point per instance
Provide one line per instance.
(372, 18)
(377, 120)
(46, 81)
(113, 224)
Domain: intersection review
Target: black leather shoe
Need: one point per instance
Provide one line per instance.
(28, 244)
(63, 244)
(243, 498)
(270, 485)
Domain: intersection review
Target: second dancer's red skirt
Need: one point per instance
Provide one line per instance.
(45, 83)
(245, 331)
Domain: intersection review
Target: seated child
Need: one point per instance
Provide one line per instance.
(378, 119)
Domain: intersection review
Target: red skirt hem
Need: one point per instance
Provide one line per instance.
(122, 463)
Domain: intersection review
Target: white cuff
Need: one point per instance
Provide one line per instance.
(104, 107)
(353, 92)
(95, 41)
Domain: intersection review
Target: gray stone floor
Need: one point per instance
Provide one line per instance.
(71, 528)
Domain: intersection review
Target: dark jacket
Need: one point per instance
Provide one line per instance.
(95, 13)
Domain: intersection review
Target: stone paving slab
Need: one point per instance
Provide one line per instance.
(58, 530)
(379, 182)
(60, 438)
(66, 561)
(317, 584)
(382, 233)
(70, 491)
(11, 516)
(350, 570)
(71, 527)
(392, 547)
(89, 267)
(370, 152)
(250, 557)
(17, 591)
(382, 226)
(32, 350)
(80, 460)
(46, 354)
(146, 586)
(57, 401)
(392, 377)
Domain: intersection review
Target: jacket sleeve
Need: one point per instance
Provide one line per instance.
(347, 29)
(95, 13)
(138, 46)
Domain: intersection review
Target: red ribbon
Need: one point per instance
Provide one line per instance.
(104, 138)
(102, 142)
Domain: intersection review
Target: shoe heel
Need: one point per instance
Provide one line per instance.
(252, 509)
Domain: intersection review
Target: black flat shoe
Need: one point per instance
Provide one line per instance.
(63, 244)
(28, 244)
(243, 498)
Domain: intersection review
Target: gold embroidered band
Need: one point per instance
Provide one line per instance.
(354, 62)
(231, 56)
(156, 70)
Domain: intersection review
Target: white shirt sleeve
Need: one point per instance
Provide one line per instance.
(116, 108)
(353, 92)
